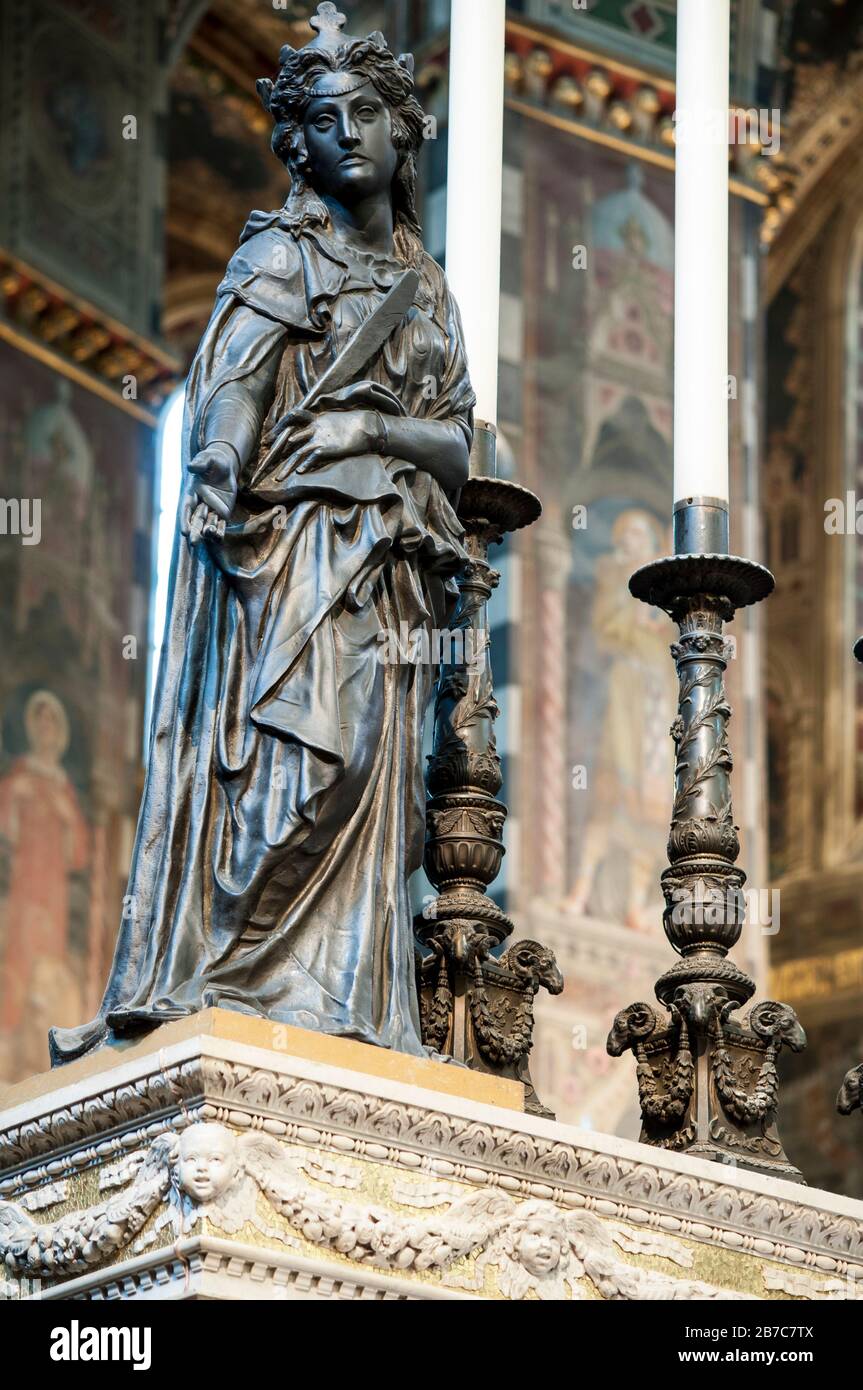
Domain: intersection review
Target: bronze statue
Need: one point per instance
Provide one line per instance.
(328, 426)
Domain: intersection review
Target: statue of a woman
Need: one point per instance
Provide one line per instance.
(327, 433)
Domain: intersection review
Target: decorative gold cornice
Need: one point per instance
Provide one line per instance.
(616, 142)
(824, 123)
(530, 34)
(824, 977)
(611, 103)
(48, 322)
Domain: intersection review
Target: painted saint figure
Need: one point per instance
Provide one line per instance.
(42, 823)
(328, 424)
(633, 764)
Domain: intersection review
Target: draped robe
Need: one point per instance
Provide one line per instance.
(284, 805)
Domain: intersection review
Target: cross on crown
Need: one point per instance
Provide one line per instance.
(328, 21)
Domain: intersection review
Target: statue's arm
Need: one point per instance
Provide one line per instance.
(237, 413)
(438, 442)
(228, 429)
(444, 437)
(439, 447)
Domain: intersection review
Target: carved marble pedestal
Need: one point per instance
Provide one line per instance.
(229, 1158)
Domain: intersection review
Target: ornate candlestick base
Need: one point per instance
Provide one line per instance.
(475, 1007)
(707, 1083)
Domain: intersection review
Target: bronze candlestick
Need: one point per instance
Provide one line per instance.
(476, 1007)
(707, 1082)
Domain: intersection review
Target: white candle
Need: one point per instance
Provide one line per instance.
(701, 251)
(474, 183)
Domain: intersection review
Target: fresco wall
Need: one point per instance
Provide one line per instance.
(73, 614)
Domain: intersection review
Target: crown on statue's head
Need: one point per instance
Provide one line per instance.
(329, 24)
(334, 64)
(327, 20)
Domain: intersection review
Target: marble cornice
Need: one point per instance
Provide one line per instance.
(99, 1119)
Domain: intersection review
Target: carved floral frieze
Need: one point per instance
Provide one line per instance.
(139, 1200)
(212, 1177)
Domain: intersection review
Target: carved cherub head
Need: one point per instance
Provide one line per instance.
(209, 1162)
(535, 1252)
(539, 1241)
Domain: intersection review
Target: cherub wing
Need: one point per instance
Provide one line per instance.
(466, 1227)
(275, 1167)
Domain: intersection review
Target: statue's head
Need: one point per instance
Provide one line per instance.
(347, 126)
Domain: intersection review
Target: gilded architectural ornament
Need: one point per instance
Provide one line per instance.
(212, 1174)
(41, 318)
(612, 103)
(821, 125)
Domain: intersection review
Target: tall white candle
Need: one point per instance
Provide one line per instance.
(474, 183)
(701, 251)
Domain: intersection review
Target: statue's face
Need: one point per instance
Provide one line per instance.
(539, 1246)
(208, 1162)
(350, 143)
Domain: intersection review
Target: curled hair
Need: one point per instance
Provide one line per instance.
(287, 100)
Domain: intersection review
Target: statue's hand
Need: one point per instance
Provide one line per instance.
(202, 522)
(215, 473)
(335, 434)
(211, 491)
